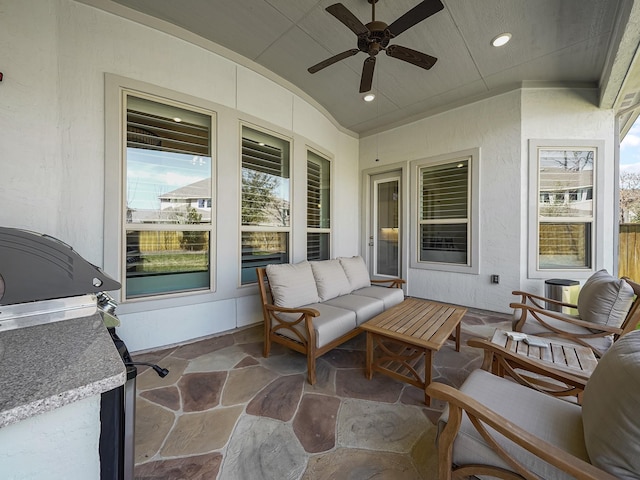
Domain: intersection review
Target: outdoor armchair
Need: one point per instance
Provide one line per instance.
(608, 308)
(495, 427)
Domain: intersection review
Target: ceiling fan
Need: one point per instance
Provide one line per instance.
(376, 35)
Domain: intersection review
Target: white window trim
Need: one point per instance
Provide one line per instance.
(473, 259)
(115, 150)
(597, 233)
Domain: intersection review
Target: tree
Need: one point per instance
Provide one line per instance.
(629, 197)
(258, 196)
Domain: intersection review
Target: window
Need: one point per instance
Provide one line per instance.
(318, 207)
(446, 209)
(565, 214)
(266, 208)
(167, 218)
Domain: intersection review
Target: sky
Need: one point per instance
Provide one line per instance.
(630, 150)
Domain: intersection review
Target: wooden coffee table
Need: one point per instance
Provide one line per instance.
(402, 336)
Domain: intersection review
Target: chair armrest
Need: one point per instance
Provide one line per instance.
(536, 311)
(393, 282)
(536, 299)
(509, 362)
(482, 416)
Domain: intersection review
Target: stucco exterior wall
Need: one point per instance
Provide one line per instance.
(52, 147)
(500, 127)
(58, 445)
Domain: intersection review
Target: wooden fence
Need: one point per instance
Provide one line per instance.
(629, 252)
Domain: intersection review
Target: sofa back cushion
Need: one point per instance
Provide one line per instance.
(605, 299)
(356, 271)
(610, 409)
(331, 280)
(292, 285)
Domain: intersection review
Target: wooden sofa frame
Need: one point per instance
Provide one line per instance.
(274, 324)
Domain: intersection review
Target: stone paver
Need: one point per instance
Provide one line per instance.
(380, 426)
(153, 423)
(315, 422)
(352, 464)
(279, 399)
(243, 384)
(263, 448)
(201, 432)
(167, 397)
(198, 467)
(201, 391)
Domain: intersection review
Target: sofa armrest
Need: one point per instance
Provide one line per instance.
(481, 417)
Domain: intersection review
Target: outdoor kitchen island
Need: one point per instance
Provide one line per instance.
(51, 381)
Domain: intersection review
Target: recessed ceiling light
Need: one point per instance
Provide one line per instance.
(177, 119)
(368, 97)
(501, 40)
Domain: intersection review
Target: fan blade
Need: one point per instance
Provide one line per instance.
(367, 74)
(349, 19)
(415, 15)
(420, 59)
(332, 60)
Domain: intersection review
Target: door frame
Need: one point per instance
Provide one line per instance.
(366, 220)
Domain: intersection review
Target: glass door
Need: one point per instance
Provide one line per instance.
(385, 230)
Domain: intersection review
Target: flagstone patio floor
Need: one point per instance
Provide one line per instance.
(225, 412)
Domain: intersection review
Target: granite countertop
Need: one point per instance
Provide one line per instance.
(47, 366)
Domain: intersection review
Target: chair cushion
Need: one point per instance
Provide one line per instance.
(605, 299)
(330, 279)
(610, 409)
(365, 308)
(332, 323)
(549, 418)
(356, 271)
(292, 285)
(390, 296)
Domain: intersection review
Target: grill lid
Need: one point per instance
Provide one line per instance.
(36, 267)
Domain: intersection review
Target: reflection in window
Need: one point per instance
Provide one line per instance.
(168, 218)
(565, 222)
(266, 208)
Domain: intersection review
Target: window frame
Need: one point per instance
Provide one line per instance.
(115, 228)
(320, 230)
(264, 228)
(473, 217)
(596, 220)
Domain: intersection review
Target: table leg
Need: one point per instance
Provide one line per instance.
(368, 371)
(428, 356)
(458, 337)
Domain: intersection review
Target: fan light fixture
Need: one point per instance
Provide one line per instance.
(501, 39)
(369, 97)
(375, 37)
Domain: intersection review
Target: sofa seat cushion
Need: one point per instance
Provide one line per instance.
(600, 344)
(389, 296)
(330, 279)
(557, 421)
(610, 409)
(332, 323)
(292, 285)
(356, 271)
(605, 299)
(365, 308)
